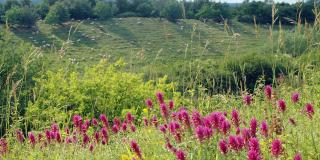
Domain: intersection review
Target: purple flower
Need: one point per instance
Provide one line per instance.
(163, 129)
(253, 127)
(268, 91)
(184, 117)
(134, 146)
(276, 148)
(233, 142)
(154, 120)
(247, 100)
(298, 156)
(133, 128)
(94, 122)
(309, 110)
(282, 105)
(85, 139)
(225, 127)
(149, 103)
(116, 121)
(160, 97)
(171, 104)
(124, 126)
(173, 126)
(115, 129)
(145, 121)
(200, 133)
(20, 136)
(196, 118)
(254, 144)
(235, 118)
(130, 117)
(164, 111)
(295, 97)
(54, 127)
(264, 129)
(32, 138)
(223, 147)
(104, 120)
(180, 155)
(104, 132)
(77, 121)
(253, 155)
(91, 147)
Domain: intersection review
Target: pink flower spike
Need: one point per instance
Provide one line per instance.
(171, 104)
(282, 105)
(223, 147)
(298, 156)
(134, 146)
(149, 103)
(160, 97)
(295, 97)
(180, 155)
(309, 110)
(32, 138)
(276, 148)
(268, 91)
(264, 129)
(247, 100)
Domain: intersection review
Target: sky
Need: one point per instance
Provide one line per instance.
(239, 1)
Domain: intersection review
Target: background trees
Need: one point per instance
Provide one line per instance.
(103, 10)
(58, 13)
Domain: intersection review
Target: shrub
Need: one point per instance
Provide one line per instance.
(103, 10)
(129, 14)
(10, 4)
(100, 89)
(214, 11)
(42, 10)
(173, 11)
(58, 13)
(145, 9)
(21, 16)
(80, 9)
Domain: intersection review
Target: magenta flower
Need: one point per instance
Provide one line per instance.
(149, 103)
(253, 155)
(160, 97)
(96, 136)
(215, 119)
(184, 117)
(223, 147)
(130, 117)
(32, 138)
(253, 127)
(86, 139)
(309, 110)
(225, 127)
(124, 127)
(115, 129)
(292, 121)
(40, 136)
(133, 128)
(4, 147)
(264, 129)
(104, 132)
(20, 136)
(48, 135)
(134, 146)
(295, 97)
(170, 147)
(67, 130)
(58, 137)
(163, 129)
(297, 157)
(154, 120)
(241, 142)
(282, 105)
(171, 104)
(104, 120)
(145, 121)
(77, 121)
(254, 144)
(196, 118)
(91, 147)
(268, 91)
(180, 155)
(235, 117)
(238, 131)
(164, 111)
(68, 140)
(246, 134)
(94, 122)
(116, 121)
(276, 148)
(233, 142)
(247, 100)
(54, 127)
(200, 133)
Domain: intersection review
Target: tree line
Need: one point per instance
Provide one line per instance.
(24, 13)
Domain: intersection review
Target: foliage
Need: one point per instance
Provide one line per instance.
(216, 11)
(100, 89)
(42, 10)
(21, 16)
(103, 10)
(10, 4)
(58, 13)
(173, 11)
(80, 9)
(145, 9)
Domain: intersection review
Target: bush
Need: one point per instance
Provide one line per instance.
(129, 14)
(10, 4)
(100, 89)
(80, 9)
(103, 10)
(173, 11)
(58, 13)
(42, 10)
(214, 11)
(145, 9)
(21, 16)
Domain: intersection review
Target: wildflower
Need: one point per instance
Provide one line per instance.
(253, 155)
(77, 120)
(54, 127)
(97, 136)
(225, 127)
(240, 140)
(276, 148)
(129, 117)
(134, 146)
(116, 121)
(67, 130)
(124, 126)
(145, 121)
(200, 133)
(235, 118)
(282, 105)
(173, 126)
(133, 128)
(160, 97)
(94, 122)
(48, 135)
(32, 138)
(215, 119)
(164, 111)
(4, 146)
(238, 130)
(247, 100)
(115, 129)
(309, 110)
(223, 147)
(171, 104)
(264, 129)
(177, 137)
(149, 103)
(170, 147)
(58, 136)
(233, 142)
(85, 139)
(183, 116)
(180, 155)
(292, 121)
(40, 136)
(268, 91)
(295, 97)
(196, 118)
(91, 147)
(253, 127)
(254, 144)
(246, 134)
(154, 120)
(68, 140)
(297, 157)
(20, 136)
(104, 120)
(104, 141)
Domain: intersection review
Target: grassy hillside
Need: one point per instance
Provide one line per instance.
(141, 41)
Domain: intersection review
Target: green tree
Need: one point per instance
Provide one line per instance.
(122, 5)
(10, 4)
(25, 3)
(103, 10)
(214, 11)
(145, 9)
(21, 16)
(2, 11)
(58, 13)
(80, 9)
(42, 9)
(173, 11)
